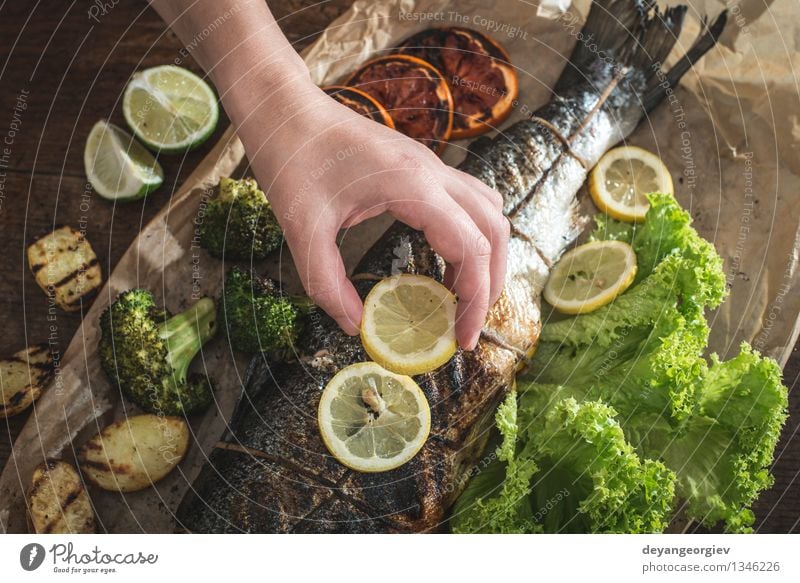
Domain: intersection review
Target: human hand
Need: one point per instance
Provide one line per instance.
(326, 168)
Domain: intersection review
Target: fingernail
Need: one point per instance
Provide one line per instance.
(349, 328)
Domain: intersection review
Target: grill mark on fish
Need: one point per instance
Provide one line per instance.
(583, 125)
(335, 487)
(563, 139)
(515, 232)
(530, 165)
(263, 455)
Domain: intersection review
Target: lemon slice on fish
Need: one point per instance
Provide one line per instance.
(623, 177)
(408, 325)
(371, 419)
(590, 276)
(170, 108)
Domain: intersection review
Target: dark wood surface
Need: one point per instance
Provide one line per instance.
(71, 71)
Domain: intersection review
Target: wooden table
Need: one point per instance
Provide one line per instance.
(70, 67)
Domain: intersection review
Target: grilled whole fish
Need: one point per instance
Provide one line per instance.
(271, 472)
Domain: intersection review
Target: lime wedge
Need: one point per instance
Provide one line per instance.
(117, 166)
(170, 109)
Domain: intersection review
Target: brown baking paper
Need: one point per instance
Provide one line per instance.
(730, 136)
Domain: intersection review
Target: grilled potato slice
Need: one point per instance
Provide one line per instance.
(23, 377)
(58, 502)
(134, 453)
(65, 267)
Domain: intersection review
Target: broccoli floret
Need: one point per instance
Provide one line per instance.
(147, 352)
(239, 223)
(258, 317)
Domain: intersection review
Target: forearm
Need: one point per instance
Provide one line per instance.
(245, 53)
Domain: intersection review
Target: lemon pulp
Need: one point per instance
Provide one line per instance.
(371, 419)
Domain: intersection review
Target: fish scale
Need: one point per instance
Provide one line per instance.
(271, 472)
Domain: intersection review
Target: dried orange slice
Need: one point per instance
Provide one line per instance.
(478, 71)
(414, 93)
(360, 102)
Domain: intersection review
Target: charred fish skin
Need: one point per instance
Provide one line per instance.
(270, 472)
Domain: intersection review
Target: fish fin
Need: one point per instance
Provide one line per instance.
(708, 38)
(625, 42)
(620, 36)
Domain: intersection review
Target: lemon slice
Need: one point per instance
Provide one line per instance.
(590, 276)
(170, 108)
(117, 166)
(371, 419)
(623, 177)
(408, 324)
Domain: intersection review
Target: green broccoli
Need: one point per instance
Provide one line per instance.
(258, 317)
(147, 352)
(239, 223)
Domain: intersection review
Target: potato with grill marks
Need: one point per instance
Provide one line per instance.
(23, 377)
(65, 267)
(134, 453)
(58, 502)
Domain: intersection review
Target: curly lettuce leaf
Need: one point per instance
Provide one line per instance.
(723, 453)
(631, 378)
(610, 229)
(716, 426)
(582, 452)
(496, 499)
(676, 267)
(570, 470)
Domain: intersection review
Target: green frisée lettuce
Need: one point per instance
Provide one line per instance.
(620, 408)
(723, 452)
(564, 466)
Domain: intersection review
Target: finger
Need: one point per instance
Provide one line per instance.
(453, 234)
(480, 187)
(494, 227)
(321, 269)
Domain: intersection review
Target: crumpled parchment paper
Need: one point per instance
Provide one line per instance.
(730, 135)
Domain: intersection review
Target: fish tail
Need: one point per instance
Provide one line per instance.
(705, 41)
(624, 42)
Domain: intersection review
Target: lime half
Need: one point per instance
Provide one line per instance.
(590, 276)
(170, 109)
(117, 166)
(373, 420)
